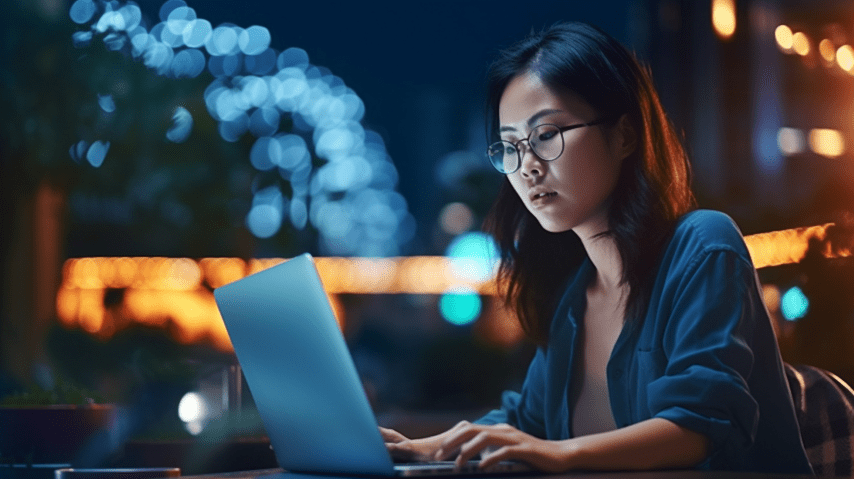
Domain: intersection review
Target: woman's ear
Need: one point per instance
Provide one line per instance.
(624, 139)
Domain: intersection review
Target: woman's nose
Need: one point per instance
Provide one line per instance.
(531, 164)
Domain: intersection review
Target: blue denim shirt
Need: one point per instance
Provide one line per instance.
(703, 356)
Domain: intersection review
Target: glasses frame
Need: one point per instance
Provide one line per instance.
(561, 130)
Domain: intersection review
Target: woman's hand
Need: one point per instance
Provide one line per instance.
(501, 443)
(402, 448)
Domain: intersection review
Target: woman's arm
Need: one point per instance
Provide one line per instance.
(651, 444)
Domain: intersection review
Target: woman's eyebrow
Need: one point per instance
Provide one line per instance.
(533, 120)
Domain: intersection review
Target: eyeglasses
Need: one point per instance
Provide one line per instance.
(545, 141)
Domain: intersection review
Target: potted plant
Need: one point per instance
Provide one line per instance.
(62, 425)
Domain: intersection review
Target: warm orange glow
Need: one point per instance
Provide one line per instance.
(845, 57)
(221, 271)
(177, 291)
(504, 328)
(771, 297)
(723, 18)
(784, 37)
(91, 313)
(827, 50)
(827, 142)
(786, 246)
(67, 305)
(801, 44)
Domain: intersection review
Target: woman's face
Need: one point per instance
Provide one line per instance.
(572, 191)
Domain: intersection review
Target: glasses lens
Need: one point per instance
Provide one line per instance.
(503, 156)
(547, 142)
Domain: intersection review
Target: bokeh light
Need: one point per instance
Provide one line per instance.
(723, 17)
(182, 125)
(82, 11)
(827, 142)
(332, 162)
(107, 103)
(223, 41)
(193, 410)
(845, 57)
(78, 150)
(791, 141)
(168, 6)
(460, 306)
(97, 153)
(794, 304)
(801, 44)
(265, 216)
(827, 50)
(188, 63)
(784, 36)
(456, 218)
(192, 407)
(474, 256)
(254, 40)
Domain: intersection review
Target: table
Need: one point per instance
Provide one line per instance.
(677, 474)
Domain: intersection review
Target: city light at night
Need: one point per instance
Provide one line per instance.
(785, 38)
(337, 174)
(178, 290)
(794, 304)
(723, 17)
(460, 306)
(827, 142)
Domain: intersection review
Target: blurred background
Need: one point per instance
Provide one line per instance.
(151, 151)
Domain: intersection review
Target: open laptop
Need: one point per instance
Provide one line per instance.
(303, 380)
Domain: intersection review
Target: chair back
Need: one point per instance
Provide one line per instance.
(824, 404)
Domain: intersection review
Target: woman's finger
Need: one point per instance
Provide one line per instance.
(401, 451)
(460, 434)
(391, 436)
(478, 443)
(503, 453)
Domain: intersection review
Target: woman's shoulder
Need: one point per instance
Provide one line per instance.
(706, 230)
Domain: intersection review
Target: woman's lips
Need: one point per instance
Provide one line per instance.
(543, 198)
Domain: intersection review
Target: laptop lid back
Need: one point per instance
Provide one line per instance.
(300, 372)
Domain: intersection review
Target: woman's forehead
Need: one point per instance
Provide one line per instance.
(526, 96)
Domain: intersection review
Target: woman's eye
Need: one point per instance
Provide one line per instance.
(546, 135)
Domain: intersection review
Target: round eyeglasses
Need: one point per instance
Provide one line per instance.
(545, 141)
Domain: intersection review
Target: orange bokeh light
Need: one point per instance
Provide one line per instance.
(177, 291)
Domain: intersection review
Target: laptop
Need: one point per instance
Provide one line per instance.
(303, 380)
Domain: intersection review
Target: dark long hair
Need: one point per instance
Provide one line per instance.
(652, 190)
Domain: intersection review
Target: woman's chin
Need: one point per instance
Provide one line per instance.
(553, 227)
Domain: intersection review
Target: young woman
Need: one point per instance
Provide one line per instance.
(655, 348)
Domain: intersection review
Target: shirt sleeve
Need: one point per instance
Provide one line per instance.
(708, 341)
(523, 410)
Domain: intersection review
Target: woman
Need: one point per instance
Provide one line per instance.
(655, 349)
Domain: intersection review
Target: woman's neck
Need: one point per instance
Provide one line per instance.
(605, 256)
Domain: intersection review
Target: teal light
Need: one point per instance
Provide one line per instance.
(460, 307)
(474, 256)
(794, 304)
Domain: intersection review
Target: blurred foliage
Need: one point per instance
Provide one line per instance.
(134, 360)
(150, 196)
(63, 392)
